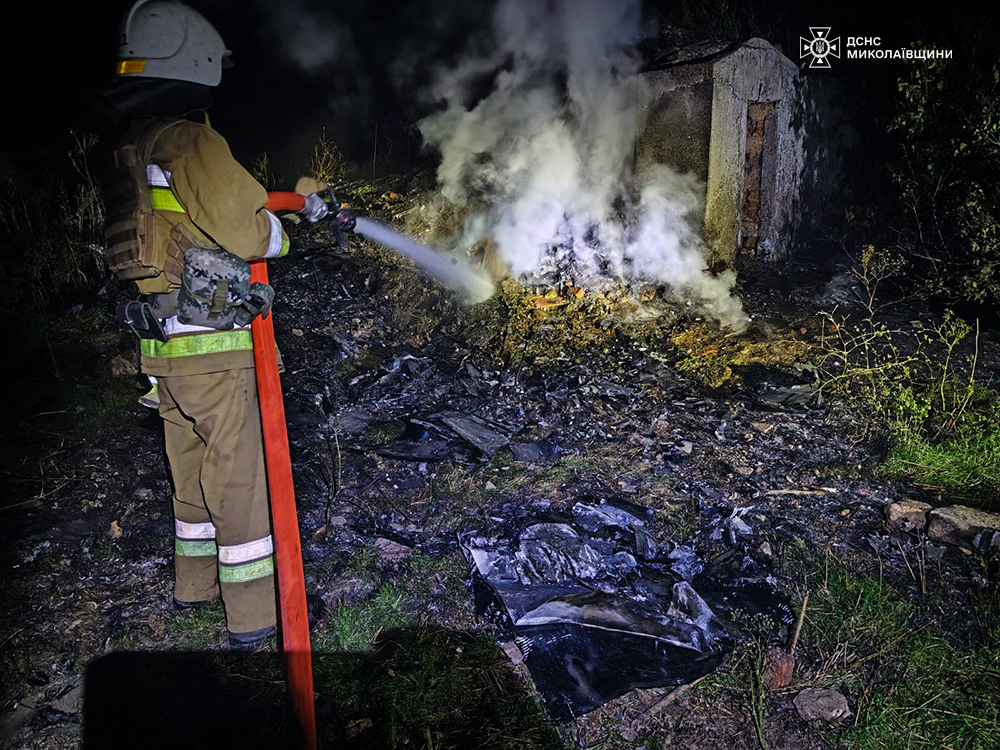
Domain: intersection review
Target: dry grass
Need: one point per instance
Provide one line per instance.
(328, 164)
(710, 357)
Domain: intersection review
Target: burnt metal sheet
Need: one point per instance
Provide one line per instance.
(598, 607)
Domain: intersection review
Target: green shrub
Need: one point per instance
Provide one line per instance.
(965, 459)
(919, 386)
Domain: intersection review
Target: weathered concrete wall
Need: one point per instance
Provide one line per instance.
(677, 121)
(755, 72)
(725, 168)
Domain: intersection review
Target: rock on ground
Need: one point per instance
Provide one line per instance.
(962, 526)
(908, 515)
(390, 550)
(819, 703)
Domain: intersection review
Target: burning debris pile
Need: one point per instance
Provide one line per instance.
(536, 133)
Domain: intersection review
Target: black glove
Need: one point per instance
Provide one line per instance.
(344, 220)
(258, 302)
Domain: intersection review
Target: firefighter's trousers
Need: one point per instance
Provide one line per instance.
(222, 520)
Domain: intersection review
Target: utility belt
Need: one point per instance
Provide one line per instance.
(215, 293)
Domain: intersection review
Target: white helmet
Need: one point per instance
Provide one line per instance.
(167, 40)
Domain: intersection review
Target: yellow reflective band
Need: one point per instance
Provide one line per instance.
(284, 248)
(250, 571)
(124, 67)
(189, 548)
(201, 343)
(163, 200)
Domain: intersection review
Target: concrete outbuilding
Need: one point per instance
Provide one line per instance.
(727, 114)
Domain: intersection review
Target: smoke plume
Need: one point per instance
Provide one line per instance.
(536, 131)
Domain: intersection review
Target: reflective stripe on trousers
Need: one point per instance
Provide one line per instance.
(194, 539)
(239, 563)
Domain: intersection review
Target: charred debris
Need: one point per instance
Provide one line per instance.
(495, 430)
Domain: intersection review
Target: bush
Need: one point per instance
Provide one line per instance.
(260, 168)
(948, 177)
(328, 164)
(51, 227)
(919, 386)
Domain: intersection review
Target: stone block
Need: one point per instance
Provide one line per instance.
(962, 526)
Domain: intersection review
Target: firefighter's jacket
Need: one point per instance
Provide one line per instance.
(194, 180)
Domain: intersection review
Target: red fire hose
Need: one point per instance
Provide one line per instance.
(285, 202)
(285, 522)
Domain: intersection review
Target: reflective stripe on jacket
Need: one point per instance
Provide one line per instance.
(162, 198)
(193, 179)
(217, 342)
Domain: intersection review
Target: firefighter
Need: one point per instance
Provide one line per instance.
(183, 219)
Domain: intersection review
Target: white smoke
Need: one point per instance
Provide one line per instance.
(311, 37)
(540, 128)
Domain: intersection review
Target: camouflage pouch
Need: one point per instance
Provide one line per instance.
(214, 285)
(258, 302)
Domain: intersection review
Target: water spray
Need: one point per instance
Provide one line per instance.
(453, 272)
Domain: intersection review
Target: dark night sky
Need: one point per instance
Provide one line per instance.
(60, 49)
(266, 102)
